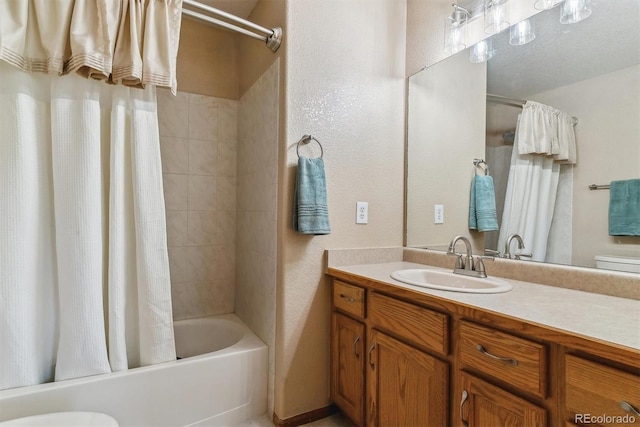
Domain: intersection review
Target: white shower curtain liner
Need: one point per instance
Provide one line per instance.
(539, 189)
(84, 272)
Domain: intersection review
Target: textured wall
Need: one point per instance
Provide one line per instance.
(198, 146)
(344, 85)
(256, 217)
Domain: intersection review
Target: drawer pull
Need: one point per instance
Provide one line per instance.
(348, 299)
(355, 346)
(509, 360)
(629, 408)
(373, 346)
(465, 395)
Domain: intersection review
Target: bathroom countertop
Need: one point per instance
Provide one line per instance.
(593, 316)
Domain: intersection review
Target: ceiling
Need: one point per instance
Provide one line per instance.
(607, 41)
(240, 8)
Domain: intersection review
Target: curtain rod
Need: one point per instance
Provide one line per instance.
(504, 100)
(497, 99)
(272, 37)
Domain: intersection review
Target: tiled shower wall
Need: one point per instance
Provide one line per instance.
(198, 140)
(202, 140)
(257, 207)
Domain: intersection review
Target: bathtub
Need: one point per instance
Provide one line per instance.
(221, 379)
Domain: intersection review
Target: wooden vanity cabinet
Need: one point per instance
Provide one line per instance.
(594, 390)
(483, 404)
(521, 362)
(402, 384)
(505, 358)
(407, 387)
(347, 367)
(347, 350)
(434, 362)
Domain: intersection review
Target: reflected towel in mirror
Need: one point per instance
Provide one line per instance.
(482, 204)
(624, 208)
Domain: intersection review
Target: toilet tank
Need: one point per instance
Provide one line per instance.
(618, 263)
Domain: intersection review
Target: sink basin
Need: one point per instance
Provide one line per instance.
(446, 281)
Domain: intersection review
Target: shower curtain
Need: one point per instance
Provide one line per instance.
(84, 274)
(540, 184)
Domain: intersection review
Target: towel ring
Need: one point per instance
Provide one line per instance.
(305, 140)
(477, 163)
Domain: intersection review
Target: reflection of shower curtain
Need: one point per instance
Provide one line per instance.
(84, 274)
(539, 190)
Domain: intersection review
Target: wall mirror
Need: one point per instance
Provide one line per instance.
(589, 70)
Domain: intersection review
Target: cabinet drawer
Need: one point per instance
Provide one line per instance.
(596, 389)
(348, 298)
(511, 359)
(417, 324)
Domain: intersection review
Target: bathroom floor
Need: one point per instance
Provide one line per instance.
(337, 420)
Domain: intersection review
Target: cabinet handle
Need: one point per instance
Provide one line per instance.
(348, 299)
(629, 408)
(509, 360)
(355, 346)
(465, 396)
(373, 346)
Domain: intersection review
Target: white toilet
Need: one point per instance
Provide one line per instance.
(618, 263)
(63, 419)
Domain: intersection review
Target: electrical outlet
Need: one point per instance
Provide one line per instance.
(362, 212)
(438, 214)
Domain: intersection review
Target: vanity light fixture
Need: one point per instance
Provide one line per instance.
(522, 33)
(573, 11)
(496, 16)
(455, 30)
(481, 51)
(546, 4)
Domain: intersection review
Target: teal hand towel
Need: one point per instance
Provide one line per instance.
(624, 208)
(310, 211)
(482, 204)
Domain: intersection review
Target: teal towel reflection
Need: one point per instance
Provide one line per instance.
(310, 211)
(624, 208)
(482, 204)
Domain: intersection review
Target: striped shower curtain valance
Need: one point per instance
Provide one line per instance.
(129, 42)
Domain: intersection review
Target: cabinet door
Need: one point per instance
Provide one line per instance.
(594, 390)
(406, 386)
(484, 405)
(347, 366)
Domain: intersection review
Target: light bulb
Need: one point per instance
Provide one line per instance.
(522, 33)
(573, 11)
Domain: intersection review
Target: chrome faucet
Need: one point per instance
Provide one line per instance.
(460, 263)
(507, 246)
(466, 266)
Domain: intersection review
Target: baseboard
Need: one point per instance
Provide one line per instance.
(307, 417)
